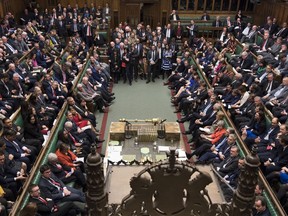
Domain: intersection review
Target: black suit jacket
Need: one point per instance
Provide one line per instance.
(43, 208)
(51, 190)
(280, 158)
(228, 165)
(171, 17)
(264, 86)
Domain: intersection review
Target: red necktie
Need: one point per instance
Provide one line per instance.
(42, 200)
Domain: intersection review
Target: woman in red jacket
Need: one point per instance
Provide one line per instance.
(68, 158)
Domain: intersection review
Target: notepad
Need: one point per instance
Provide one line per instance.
(113, 143)
(163, 148)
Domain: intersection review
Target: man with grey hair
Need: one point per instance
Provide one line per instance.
(65, 173)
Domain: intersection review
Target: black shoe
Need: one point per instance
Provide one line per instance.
(153, 80)
(177, 111)
(136, 80)
(148, 81)
(180, 121)
(124, 81)
(130, 83)
(99, 141)
(112, 94)
(186, 132)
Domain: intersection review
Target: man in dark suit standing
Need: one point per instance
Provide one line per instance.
(174, 16)
(88, 34)
(152, 58)
(61, 28)
(192, 32)
(168, 32)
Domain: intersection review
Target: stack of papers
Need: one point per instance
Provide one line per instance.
(163, 148)
(114, 153)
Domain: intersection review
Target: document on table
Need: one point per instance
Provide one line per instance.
(163, 148)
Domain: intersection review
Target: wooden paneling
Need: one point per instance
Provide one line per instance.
(270, 8)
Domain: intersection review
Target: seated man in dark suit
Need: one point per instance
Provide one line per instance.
(278, 159)
(65, 173)
(56, 96)
(55, 188)
(84, 113)
(46, 206)
(228, 164)
(10, 179)
(231, 179)
(260, 207)
(22, 152)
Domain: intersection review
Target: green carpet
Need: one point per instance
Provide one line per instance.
(139, 101)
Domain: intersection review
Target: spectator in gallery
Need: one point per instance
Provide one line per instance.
(174, 16)
(205, 16)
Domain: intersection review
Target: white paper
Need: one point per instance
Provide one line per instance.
(163, 148)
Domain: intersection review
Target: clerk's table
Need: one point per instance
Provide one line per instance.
(144, 142)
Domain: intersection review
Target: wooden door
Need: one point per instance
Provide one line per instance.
(132, 13)
(151, 14)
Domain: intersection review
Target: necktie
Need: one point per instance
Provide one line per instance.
(88, 31)
(20, 89)
(73, 139)
(56, 184)
(16, 146)
(153, 55)
(268, 89)
(10, 47)
(279, 33)
(277, 93)
(250, 34)
(221, 143)
(268, 133)
(264, 45)
(64, 76)
(206, 108)
(53, 92)
(42, 200)
(227, 162)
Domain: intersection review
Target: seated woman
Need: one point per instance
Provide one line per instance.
(32, 130)
(77, 118)
(205, 142)
(255, 128)
(68, 158)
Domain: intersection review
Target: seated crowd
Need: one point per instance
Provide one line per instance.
(251, 86)
(40, 83)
